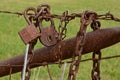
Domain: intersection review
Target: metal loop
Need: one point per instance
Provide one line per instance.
(26, 14)
(95, 25)
(46, 7)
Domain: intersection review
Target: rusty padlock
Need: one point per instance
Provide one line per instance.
(29, 33)
(48, 34)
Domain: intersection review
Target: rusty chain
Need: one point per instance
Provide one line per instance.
(43, 10)
(62, 30)
(28, 74)
(62, 26)
(95, 73)
(87, 17)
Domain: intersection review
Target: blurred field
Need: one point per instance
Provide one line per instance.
(12, 45)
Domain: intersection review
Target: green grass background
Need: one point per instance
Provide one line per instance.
(12, 45)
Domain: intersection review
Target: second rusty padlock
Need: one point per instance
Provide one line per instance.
(48, 34)
(29, 33)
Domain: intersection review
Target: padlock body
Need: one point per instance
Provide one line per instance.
(48, 36)
(29, 34)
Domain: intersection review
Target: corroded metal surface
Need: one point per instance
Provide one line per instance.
(95, 41)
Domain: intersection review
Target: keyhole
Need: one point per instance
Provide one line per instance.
(49, 38)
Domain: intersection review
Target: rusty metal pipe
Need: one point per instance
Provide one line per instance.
(96, 40)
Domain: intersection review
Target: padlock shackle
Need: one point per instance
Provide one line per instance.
(51, 21)
(26, 14)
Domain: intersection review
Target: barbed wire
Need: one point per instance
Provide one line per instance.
(106, 16)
